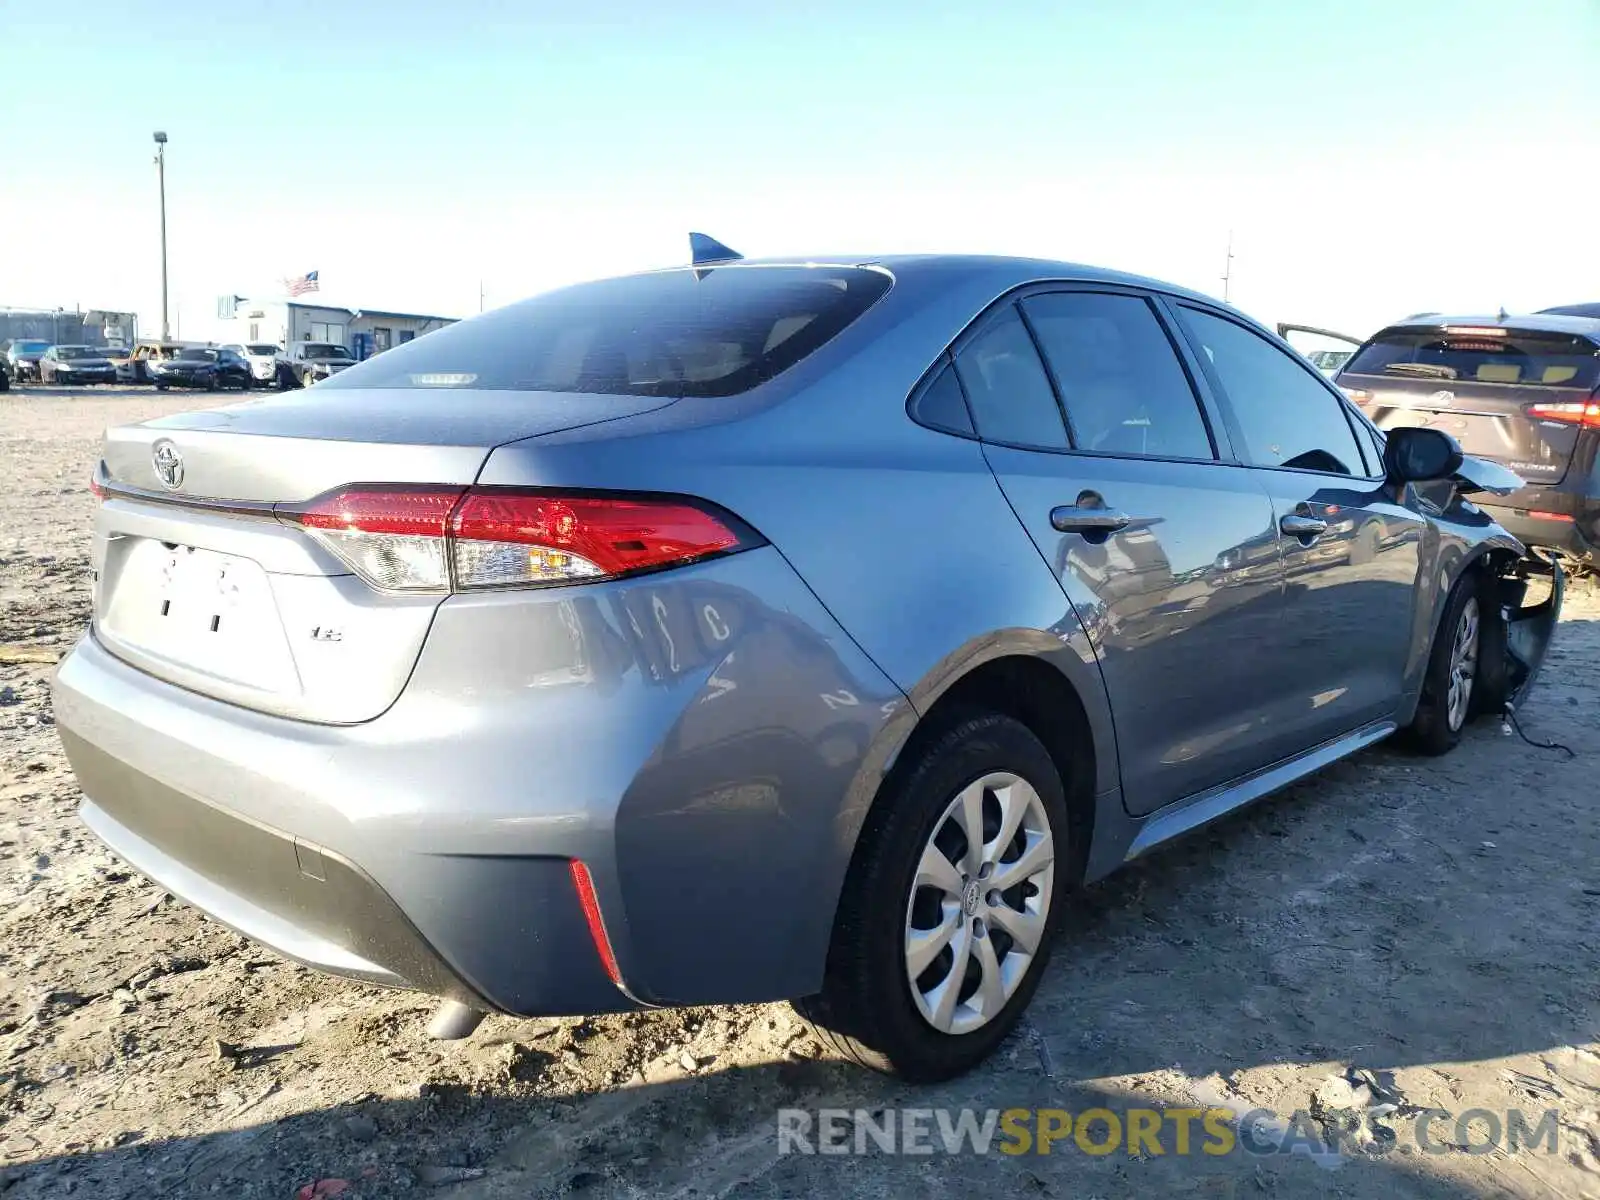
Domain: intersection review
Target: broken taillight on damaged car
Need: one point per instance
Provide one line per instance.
(422, 538)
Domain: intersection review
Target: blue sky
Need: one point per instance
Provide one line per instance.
(1371, 158)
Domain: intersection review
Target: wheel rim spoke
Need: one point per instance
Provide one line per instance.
(943, 997)
(1025, 928)
(991, 986)
(937, 871)
(969, 815)
(924, 945)
(1039, 853)
(1014, 801)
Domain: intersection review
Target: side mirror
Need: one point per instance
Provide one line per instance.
(1414, 455)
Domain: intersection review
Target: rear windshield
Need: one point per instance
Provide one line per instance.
(261, 348)
(1497, 355)
(665, 334)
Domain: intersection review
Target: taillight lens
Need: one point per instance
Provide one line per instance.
(435, 539)
(509, 537)
(1572, 412)
(1359, 396)
(394, 538)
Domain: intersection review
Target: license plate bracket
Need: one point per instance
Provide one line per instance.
(197, 609)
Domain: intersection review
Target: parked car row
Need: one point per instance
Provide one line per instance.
(168, 364)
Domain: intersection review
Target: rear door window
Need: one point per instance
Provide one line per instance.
(663, 334)
(1007, 388)
(1124, 390)
(1493, 354)
(1287, 416)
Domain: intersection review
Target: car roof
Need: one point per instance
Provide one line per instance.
(1004, 271)
(1575, 310)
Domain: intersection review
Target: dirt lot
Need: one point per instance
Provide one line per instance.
(1436, 923)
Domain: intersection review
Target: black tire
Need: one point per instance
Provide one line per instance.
(1433, 731)
(161, 387)
(866, 1009)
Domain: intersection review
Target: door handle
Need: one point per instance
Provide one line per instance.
(1075, 518)
(1296, 525)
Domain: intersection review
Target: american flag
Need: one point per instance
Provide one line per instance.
(301, 284)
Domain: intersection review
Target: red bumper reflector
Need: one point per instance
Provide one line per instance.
(583, 882)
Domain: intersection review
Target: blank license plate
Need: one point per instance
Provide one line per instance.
(197, 608)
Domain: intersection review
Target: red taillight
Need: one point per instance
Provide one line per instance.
(410, 538)
(583, 884)
(96, 488)
(1539, 514)
(1572, 412)
(407, 512)
(580, 536)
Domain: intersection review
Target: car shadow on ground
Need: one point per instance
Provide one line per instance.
(1382, 915)
(715, 1136)
(1430, 920)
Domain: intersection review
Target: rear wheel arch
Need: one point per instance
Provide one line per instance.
(1035, 692)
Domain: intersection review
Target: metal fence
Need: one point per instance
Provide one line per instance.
(95, 327)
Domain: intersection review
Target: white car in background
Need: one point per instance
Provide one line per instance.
(263, 358)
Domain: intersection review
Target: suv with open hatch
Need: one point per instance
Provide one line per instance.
(1523, 391)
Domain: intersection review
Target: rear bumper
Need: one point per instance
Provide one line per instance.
(301, 897)
(706, 741)
(1566, 522)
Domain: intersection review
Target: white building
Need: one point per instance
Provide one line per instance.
(364, 331)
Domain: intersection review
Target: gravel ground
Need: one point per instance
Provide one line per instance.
(1433, 922)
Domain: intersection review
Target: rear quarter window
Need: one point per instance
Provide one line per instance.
(665, 334)
(1494, 355)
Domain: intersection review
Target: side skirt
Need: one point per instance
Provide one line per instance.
(1183, 816)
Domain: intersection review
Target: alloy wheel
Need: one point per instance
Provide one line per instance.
(1463, 665)
(980, 902)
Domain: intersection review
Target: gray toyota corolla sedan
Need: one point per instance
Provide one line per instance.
(788, 629)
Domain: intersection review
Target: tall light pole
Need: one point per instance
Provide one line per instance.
(1227, 270)
(161, 177)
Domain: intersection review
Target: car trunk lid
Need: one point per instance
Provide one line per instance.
(199, 582)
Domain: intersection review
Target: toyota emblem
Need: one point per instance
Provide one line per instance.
(168, 463)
